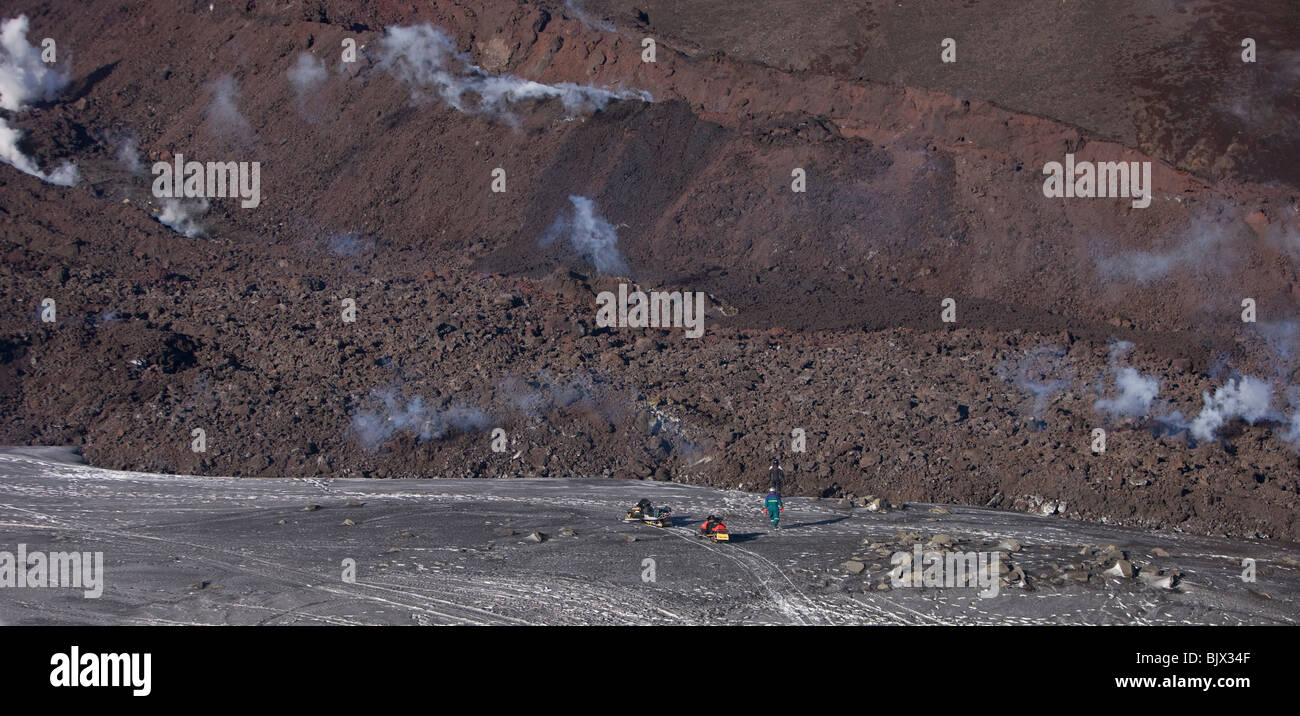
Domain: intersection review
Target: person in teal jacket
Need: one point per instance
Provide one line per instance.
(774, 507)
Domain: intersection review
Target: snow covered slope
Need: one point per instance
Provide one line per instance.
(202, 550)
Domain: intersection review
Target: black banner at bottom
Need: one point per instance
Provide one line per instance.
(500, 666)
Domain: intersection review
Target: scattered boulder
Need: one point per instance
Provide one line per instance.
(1009, 545)
(1122, 569)
(349, 523)
(567, 532)
(853, 566)
(1015, 575)
(942, 541)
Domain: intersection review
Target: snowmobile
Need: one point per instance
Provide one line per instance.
(649, 514)
(714, 529)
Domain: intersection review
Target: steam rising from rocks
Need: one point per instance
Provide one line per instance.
(1041, 374)
(223, 111)
(25, 78)
(183, 216)
(1206, 245)
(128, 154)
(394, 413)
(307, 74)
(590, 235)
(1291, 433)
(539, 397)
(1136, 391)
(426, 58)
(1247, 398)
(573, 8)
(65, 175)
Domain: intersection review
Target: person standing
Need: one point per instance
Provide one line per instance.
(776, 475)
(773, 506)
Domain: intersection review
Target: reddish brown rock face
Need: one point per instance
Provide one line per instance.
(923, 182)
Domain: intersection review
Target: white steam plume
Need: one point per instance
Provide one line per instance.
(128, 154)
(1136, 391)
(65, 175)
(425, 57)
(545, 393)
(573, 8)
(591, 236)
(1291, 433)
(395, 414)
(1205, 246)
(183, 217)
(24, 78)
(223, 110)
(307, 75)
(1248, 398)
(1041, 372)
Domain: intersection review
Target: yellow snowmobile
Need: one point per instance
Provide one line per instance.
(645, 512)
